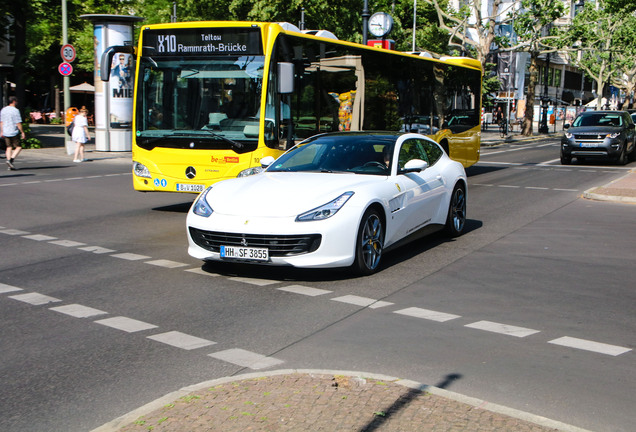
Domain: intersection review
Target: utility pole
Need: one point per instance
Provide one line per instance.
(65, 79)
(365, 21)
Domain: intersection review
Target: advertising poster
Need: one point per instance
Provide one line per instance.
(121, 81)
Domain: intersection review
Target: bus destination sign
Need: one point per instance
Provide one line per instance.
(202, 41)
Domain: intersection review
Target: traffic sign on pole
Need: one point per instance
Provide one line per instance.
(68, 53)
(65, 69)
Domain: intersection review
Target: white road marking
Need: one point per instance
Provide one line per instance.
(130, 256)
(4, 288)
(78, 311)
(299, 289)
(502, 328)
(550, 162)
(537, 188)
(565, 190)
(245, 358)
(181, 340)
(427, 314)
(34, 298)
(39, 237)
(67, 243)
(587, 345)
(97, 249)
(166, 263)
(254, 281)
(128, 325)
(200, 271)
(362, 301)
(14, 232)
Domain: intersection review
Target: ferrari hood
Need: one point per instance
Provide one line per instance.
(282, 194)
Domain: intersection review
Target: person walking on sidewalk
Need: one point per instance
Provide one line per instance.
(80, 134)
(11, 130)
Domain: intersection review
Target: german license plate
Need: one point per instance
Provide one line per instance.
(182, 187)
(245, 253)
(585, 144)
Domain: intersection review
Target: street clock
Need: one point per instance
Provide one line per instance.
(380, 24)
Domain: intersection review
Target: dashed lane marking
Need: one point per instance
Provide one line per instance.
(200, 271)
(35, 299)
(14, 232)
(299, 289)
(128, 325)
(587, 345)
(130, 256)
(67, 243)
(39, 237)
(245, 358)
(255, 281)
(362, 301)
(4, 288)
(427, 314)
(167, 263)
(97, 249)
(78, 311)
(502, 328)
(181, 340)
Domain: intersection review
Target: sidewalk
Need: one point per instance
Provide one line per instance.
(303, 400)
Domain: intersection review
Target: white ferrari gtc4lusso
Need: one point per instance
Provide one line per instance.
(334, 200)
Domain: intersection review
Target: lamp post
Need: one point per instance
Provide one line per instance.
(365, 21)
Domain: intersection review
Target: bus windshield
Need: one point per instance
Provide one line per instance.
(204, 103)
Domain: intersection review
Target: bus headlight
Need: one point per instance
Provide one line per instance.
(140, 170)
(250, 171)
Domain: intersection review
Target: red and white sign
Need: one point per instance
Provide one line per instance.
(65, 69)
(68, 53)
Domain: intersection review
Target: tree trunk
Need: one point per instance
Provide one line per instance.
(532, 83)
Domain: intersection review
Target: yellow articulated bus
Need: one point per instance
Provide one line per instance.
(213, 98)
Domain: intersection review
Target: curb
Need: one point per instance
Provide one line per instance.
(591, 194)
(130, 417)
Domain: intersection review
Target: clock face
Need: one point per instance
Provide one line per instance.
(380, 24)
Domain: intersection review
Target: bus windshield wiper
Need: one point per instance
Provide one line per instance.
(236, 144)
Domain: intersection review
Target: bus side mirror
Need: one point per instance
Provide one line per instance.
(285, 78)
(107, 59)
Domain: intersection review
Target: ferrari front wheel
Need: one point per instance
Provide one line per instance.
(369, 243)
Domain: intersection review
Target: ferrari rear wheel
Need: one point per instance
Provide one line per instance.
(369, 243)
(456, 218)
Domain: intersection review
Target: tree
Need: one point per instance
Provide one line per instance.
(468, 26)
(533, 28)
(592, 34)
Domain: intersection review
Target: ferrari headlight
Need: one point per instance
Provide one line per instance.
(250, 171)
(140, 170)
(325, 211)
(201, 206)
(613, 135)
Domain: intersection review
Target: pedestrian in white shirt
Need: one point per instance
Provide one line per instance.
(11, 130)
(80, 134)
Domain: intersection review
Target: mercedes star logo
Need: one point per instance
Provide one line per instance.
(190, 172)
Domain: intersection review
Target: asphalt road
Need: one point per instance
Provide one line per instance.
(102, 310)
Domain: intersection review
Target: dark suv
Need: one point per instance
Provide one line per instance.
(599, 134)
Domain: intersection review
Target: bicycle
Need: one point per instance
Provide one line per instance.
(503, 128)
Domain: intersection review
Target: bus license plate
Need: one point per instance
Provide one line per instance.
(181, 187)
(245, 253)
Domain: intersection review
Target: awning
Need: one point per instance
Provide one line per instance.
(82, 88)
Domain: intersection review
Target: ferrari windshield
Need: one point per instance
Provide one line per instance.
(352, 153)
(199, 103)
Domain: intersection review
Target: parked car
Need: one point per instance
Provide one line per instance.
(599, 134)
(334, 200)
